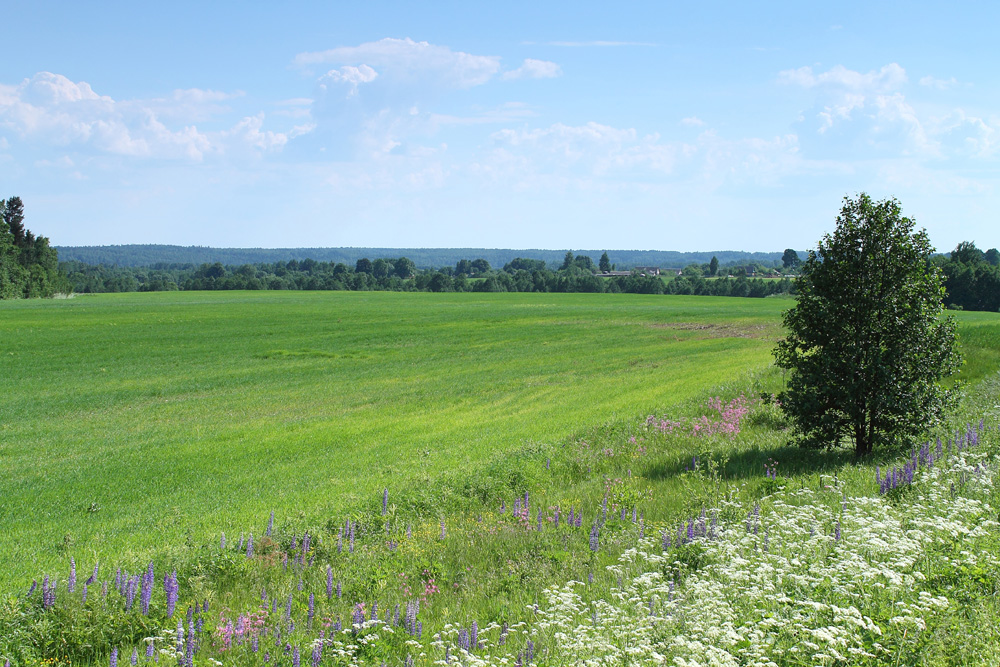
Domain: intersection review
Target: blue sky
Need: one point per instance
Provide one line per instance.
(662, 125)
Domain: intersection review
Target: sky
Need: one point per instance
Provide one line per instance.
(629, 125)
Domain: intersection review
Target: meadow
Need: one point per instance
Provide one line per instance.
(139, 428)
(131, 419)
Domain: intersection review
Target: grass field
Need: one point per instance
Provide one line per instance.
(130, 419)
(140, 426)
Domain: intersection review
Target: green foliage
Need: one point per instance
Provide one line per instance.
(29, 267)
(866, 343)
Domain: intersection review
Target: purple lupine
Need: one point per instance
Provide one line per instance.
(93, 577)
(329, 582)
(474, 636)
(114, 657)
(529, 653)
(48, 593)
(222, 542)
(71, 582)
(135, 656)
(288, 608)
(300, 584)
(836, 535)
(305, 547)
(338, 590)
(340, 541)
(149, 649)
(317, 654)
(270, 525)
(503, 506)
(180, 637)
(385, 501)
(312, 610)
(189, 647)
(571, 524)
(594, 536)
(604, 508)
(146, 592)
(34, 585)
(296, 658)
(350, 547)
(170, 588)
(539, 518)
(409, 530)
(131, 588)
(442, 529)
(359, 615)
(250, 546)
(503, 634)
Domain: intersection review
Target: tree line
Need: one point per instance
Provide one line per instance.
(29, 266)
(972, 278)
(576, 274)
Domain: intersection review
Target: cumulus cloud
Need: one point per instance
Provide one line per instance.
(692, 121)
(50, 109)
(350, 76)
(534, 69)
(889, 77)
(406, 59)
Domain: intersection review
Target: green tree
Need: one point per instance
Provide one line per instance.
(966, 252)
(866, 344)
(13, 215)
(363, 265)
(567, 261)
(992, 257)
(790, 259)
(713, 266)
(404, 267)
(604, 264)
(480, 266)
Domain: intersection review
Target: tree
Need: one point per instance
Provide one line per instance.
(865, 342)
(790, 259)
(363, 265)
(713, 266)
(13, 215)
(567, 261)
(404, 267)
(966, 252)
(992, 257)
(480, 266)
(604, 264)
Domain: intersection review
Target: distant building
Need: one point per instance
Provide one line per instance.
(648, 270)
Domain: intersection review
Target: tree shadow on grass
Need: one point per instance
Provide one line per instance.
(787, 460)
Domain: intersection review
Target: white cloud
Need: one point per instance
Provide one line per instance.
(692, 121)
(890, 77)
(938, 84)
(49, 109)
(534, 69)
(406, 59)
(349, 75)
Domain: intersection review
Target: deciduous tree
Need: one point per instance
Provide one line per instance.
(866, 343)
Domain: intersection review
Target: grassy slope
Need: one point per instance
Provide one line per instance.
(183, 414)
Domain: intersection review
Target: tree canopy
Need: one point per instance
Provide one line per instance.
(29, 266)
(866, 344)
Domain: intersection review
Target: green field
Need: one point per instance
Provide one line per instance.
(129, 420)
(137, 427)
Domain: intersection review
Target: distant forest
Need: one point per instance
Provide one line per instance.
(423, 258)
(575, 273)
